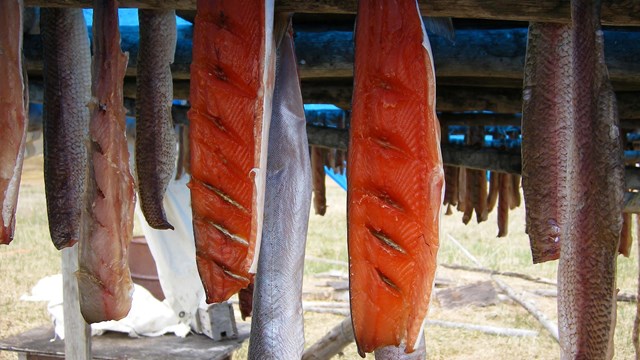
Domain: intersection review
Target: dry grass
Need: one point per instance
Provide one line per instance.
(31, 257)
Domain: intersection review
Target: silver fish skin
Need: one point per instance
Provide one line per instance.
(155, 149)
(67, 91)
(588, 252)
(13, 115)
(397, 352)
(547, 118)
(277, 330)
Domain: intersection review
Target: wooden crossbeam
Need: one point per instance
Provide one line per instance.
(614, 12)
(486, 58)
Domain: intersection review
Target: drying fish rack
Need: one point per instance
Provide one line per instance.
(479, 79)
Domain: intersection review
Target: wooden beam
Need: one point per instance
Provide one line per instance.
(615, 12)
(488, 56)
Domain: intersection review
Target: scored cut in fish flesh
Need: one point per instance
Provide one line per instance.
(232, 79)
(547, 118)
(155, 134)
(104, 279)
(277, 330)
(395, 176)
(13, 118)
(589, 239)
(67, 91)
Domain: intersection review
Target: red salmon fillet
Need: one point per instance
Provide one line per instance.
(104, 280)
(13, 121)
(395, 174)
(231, 88)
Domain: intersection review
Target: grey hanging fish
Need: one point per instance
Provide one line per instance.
(155, 134)
(67, 91)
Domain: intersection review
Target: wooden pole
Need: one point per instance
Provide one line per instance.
(77, 333)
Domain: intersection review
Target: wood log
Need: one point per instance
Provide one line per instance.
(501, 273)
(622, 297)
(492, 330)
(332, 343)
(490, 54)
(341, 336)
(450, 99)
(616, 12)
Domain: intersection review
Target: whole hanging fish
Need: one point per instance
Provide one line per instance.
(13, 118)
(277, 330)
(589, 239)
(395, 176)
(104, 280)
(67, 91)
(231, 103)
(155, 135)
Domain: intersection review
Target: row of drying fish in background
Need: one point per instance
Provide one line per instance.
(246, 203)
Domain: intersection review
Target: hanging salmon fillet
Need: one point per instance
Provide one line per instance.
(395, 176)
(589, 240)
(232, 79)
(104, 280)
(67, 91)
(13, 119)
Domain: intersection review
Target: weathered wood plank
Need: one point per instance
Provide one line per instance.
(120, 346)
(618, 12)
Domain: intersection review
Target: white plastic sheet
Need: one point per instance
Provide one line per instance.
(148, 316)
(175, 253)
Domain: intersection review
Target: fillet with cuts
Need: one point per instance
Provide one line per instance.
(67, 91)
(547, 118)
(13, 118)
(395, 176)
(589, 239)
(232, 79)
(104, 280)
